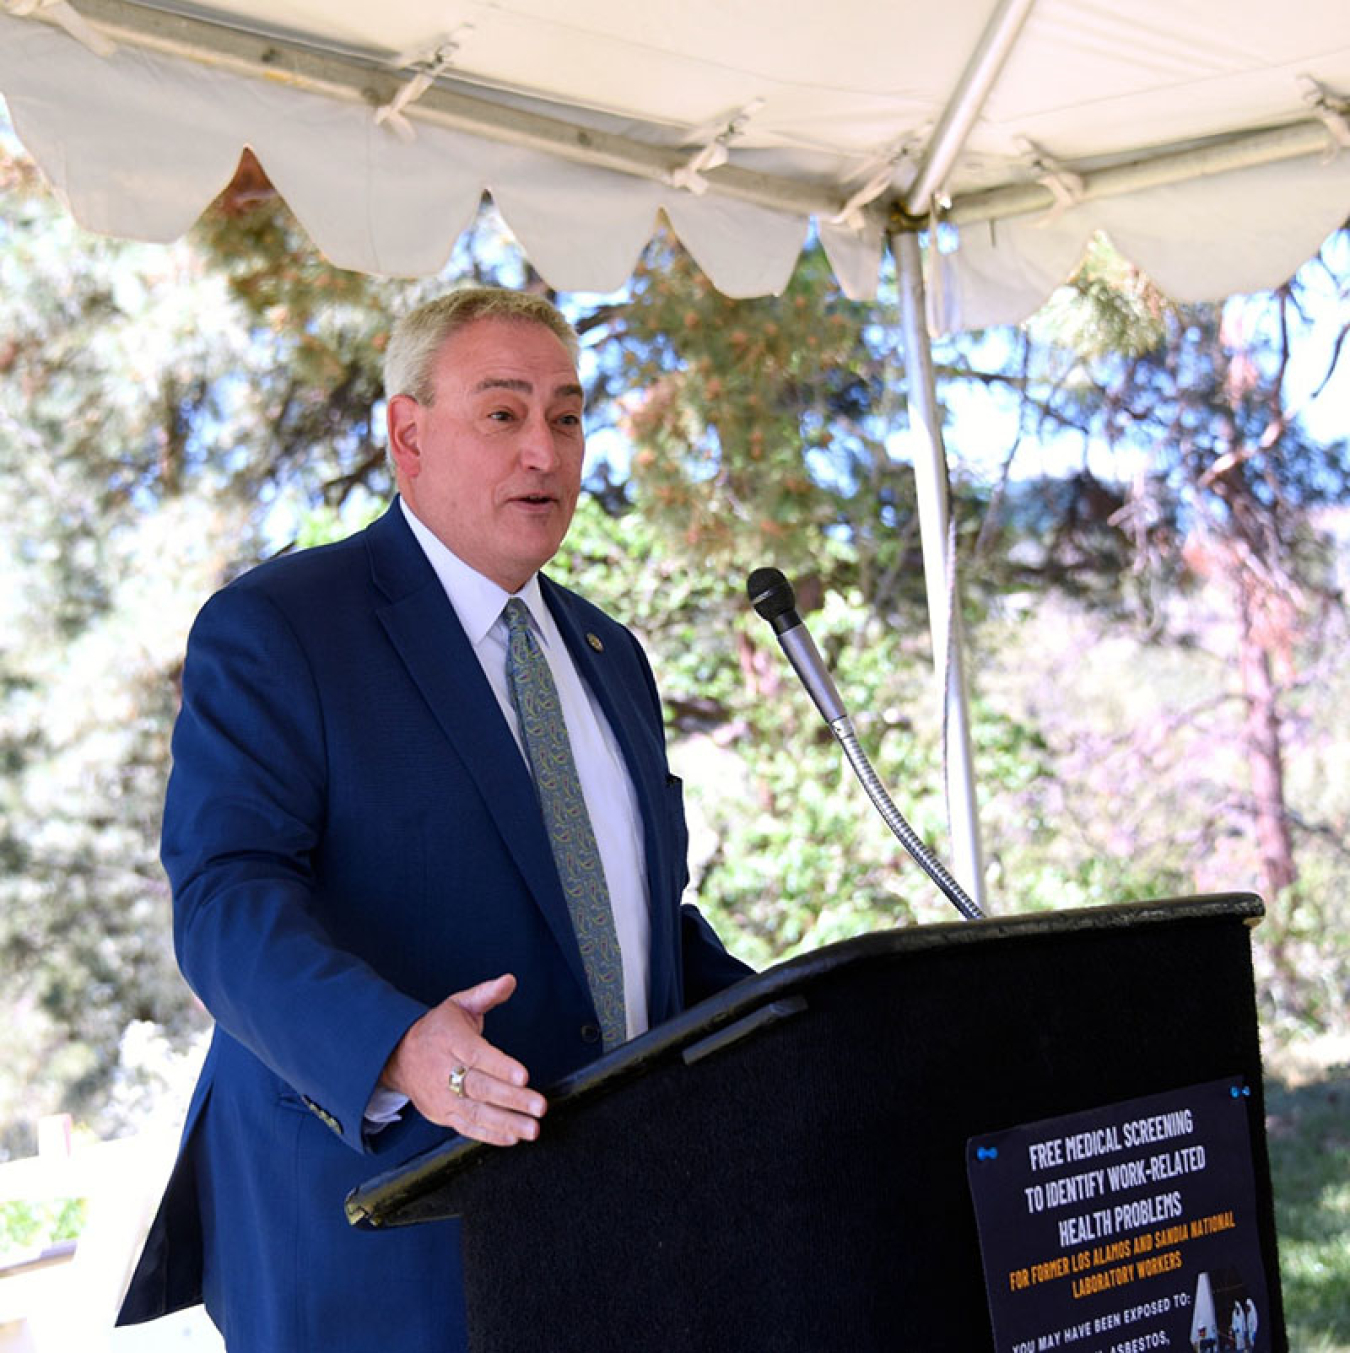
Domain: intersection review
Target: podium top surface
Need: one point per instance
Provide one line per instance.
(392, 1198)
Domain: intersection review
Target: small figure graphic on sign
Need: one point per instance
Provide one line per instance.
(1204, 1323)
(1223, 1290)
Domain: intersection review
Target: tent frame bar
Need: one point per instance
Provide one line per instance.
(1158, 169)
(958, 117)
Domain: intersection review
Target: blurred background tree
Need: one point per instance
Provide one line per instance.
(1151, 566)
(1218, 533)
(1150, 588)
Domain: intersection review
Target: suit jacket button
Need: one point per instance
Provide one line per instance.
(590, 1033)
(325, 1117)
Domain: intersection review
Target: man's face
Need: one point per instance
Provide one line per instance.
(493, 464)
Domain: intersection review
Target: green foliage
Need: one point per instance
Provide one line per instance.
(103, 351)
(26, 1226)
(168, 416)
(1309, 1136)
(800, 858)
(1109, 310)
(320, 333)
(757, 426)
(787, 853)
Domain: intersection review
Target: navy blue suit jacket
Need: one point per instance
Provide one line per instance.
(351, 835)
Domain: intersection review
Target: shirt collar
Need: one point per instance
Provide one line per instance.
(477, 600)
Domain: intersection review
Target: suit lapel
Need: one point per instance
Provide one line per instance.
(423, 628)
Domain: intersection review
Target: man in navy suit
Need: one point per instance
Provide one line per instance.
(365, 894)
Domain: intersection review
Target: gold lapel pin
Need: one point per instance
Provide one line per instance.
(594, 641)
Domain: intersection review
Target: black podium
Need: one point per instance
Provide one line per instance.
(785, 1167)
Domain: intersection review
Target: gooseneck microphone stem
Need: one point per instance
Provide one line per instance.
(894, 819)
(772, 597)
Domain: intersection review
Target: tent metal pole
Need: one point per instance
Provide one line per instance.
(982, 70)
(939, 569)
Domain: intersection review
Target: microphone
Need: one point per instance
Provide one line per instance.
(772, 597)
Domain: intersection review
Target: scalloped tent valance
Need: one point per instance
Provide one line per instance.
(1209, 140)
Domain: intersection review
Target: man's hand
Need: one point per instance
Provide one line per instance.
(497, 1104)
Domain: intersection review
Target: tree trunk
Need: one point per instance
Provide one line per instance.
(1265, 759)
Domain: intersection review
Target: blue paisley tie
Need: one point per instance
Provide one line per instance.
(565, 818)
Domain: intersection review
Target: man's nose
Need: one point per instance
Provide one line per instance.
(537, 448)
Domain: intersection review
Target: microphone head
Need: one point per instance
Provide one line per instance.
(770, 593)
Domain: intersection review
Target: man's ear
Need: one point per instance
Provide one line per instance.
(403, 418)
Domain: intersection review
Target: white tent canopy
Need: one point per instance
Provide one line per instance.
(1207, 138)
(1204, 137)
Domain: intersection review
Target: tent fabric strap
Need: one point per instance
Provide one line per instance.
(1065, 186)
(65, 15)
(1332, 111)
(713, 142)
(429, 67)
(1221, 155)
(875, 179)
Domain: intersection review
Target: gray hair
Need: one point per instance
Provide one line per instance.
(417, 337)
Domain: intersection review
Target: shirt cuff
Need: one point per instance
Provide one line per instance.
(385, 1106)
